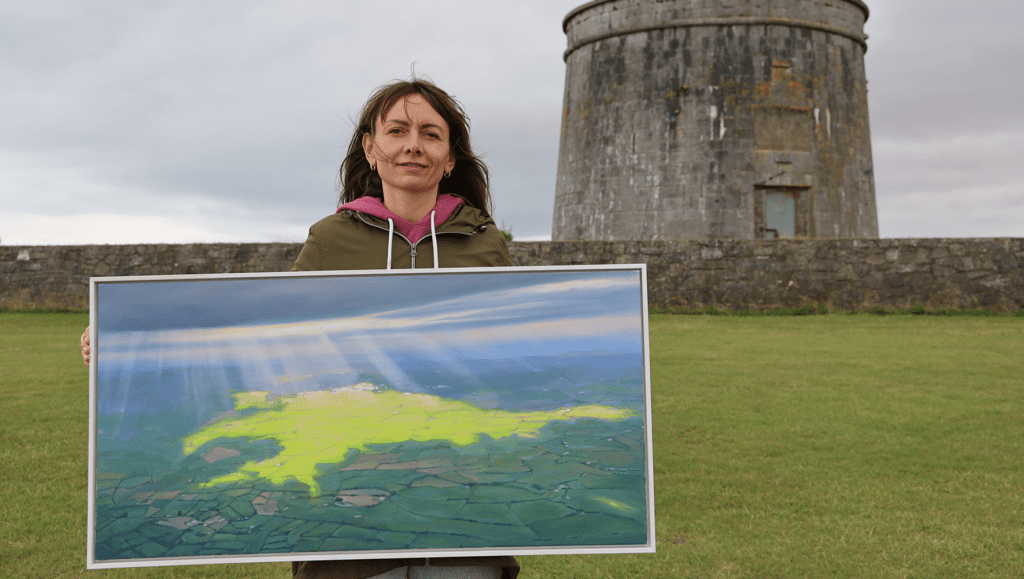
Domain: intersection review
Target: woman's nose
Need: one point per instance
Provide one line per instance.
(412, 144)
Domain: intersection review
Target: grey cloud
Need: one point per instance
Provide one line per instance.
(122, 106)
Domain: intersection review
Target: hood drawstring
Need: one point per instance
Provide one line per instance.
(391, 237)
(433, 240)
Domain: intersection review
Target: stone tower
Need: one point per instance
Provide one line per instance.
(743, 119)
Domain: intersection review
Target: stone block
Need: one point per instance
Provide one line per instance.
(710, 253)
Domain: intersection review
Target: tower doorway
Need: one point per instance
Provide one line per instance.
(782, 212)
(779, 214)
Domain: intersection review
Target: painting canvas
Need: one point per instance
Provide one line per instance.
(344, 415)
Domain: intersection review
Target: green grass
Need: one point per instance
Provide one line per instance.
(809, 446)
(44, 397)
(832, 446)
(820, 309)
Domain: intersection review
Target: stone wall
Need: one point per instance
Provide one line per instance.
(58, 276)
(843, 274)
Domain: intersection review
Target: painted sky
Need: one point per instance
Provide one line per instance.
(459, 328)
(186, 121)
(241, 301)
(327, 316)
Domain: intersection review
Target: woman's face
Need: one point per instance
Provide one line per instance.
(410, 149)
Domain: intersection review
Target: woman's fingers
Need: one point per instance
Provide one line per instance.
(85, 346)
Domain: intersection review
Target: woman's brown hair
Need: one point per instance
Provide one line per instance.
(469, 178)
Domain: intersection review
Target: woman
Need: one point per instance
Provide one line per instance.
(412, 144)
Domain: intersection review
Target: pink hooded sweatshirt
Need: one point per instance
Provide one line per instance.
(413, 232)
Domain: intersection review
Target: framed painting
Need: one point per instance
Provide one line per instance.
(369, 414)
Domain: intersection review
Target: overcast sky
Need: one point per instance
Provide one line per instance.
(188, 121)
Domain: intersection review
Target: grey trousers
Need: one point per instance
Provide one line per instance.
(441, 573)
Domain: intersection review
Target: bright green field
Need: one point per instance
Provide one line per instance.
(354, 417)
(813, 446)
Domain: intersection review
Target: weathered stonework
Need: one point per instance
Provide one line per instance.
(684, 118)
(843, 274)
(58, 276)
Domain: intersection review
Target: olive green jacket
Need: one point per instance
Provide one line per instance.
(354, 240)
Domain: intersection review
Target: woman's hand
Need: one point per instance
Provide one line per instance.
(85, 346)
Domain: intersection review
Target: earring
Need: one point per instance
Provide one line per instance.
(373, 167)
(447, 173)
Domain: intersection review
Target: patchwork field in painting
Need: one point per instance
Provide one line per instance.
(418, 412)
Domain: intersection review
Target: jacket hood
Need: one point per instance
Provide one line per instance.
(414, 232)
(351, 239)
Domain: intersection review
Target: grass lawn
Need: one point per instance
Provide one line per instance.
(814, 446)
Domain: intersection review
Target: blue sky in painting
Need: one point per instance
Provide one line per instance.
(188, 344)
(157, 305)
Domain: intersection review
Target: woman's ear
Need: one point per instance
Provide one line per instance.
(449, 166)
(368, 150)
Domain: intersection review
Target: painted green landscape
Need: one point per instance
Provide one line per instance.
(555, 480)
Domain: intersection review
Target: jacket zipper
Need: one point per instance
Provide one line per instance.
(412, 248)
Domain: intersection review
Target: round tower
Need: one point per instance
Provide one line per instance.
(743, 119)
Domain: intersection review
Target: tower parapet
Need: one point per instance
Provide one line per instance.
(741, 119)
